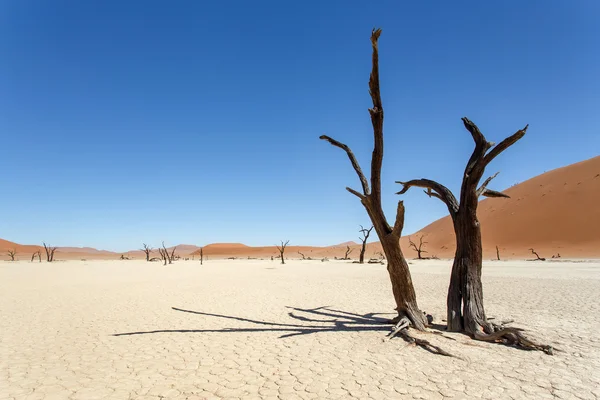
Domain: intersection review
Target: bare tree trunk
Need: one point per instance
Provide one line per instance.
(402, 286)
(497, 253)
(363, 249)
(147, 249)
(466, 290)
(201, 255)
(12, 254)
(348, 251)
(282, 250)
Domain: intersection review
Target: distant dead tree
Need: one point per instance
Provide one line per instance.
(282, 250)
(497, 253)
(173, 257)
(164, 254)
(124, 257)
(303, 256)
(49, 252)
(38, 254)
(167, 256)
(370, 197)
(538, 258)
(12, 253)
(348, 251)
(201, 255)
(365, 236)
(419, 248)
(465, 310)
(147, 249)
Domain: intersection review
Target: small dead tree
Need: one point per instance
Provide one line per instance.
(389, 236)
(465, 309)
(282, 250)
(365, 236)
(147, 249)
(164, 255)
(497, 253)
(49, 252)
(419, 248)
(537, 256)
(201, 255)
(12, 254)
(348, 251)
(173, 256)
(302, 255)
(167, 256)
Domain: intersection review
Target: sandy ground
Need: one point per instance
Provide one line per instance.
(257, 329)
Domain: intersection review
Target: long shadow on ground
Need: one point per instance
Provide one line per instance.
(329, 320)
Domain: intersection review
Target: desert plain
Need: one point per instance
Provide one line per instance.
(256, 329)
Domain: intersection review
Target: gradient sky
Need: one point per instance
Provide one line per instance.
(195, 122)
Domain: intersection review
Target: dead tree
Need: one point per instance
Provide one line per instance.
(164, 254)
(348, 251)
(538, 258)
(172, 257)
(282, 250)
(12, 253)
(419, 248)
(303, 256)
(201, 255)
(147, 249)
(363, 249)
(389, 236)
(465, 310)
(497, 253)
(49, 252)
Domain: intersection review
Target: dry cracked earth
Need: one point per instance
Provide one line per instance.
(305, 330)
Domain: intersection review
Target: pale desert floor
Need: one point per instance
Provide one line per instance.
(304, 330)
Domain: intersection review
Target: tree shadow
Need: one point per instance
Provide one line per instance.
(314, 320)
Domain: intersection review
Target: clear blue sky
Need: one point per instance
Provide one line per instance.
(125, 122)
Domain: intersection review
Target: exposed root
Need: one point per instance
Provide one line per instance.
(513, 337)
(401, 329)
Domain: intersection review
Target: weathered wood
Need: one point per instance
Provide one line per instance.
(147, 249)
(402, 286)
(282, 250)
(363, 249)
(419, 248)
(465, 308)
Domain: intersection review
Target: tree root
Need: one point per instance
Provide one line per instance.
(512, 337)
(401, 329)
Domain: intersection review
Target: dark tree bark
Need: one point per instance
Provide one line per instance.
(167, 256)
(389, 236)
(12, 254)
(303, 256)
(172, 257)
(497, 253)
(201, 255)
(282, 250)
(348, 251)
(465, 310)
(363, 249)
(147, 249)
(49, 252)
(164, 254)
(419, 248)
(537, 256)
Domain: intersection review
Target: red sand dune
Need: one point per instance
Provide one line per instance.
(556, 212)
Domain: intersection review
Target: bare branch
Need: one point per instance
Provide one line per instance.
(433, 189)
(482, 188)
(376, 119)
(505, 144)
(481, 146)
(357, 194)
(493, 193)
(399, 223)
(353, 160)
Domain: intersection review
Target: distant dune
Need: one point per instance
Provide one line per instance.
(557, 212)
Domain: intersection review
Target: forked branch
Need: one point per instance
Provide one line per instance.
(355, 165)
(433, 189)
